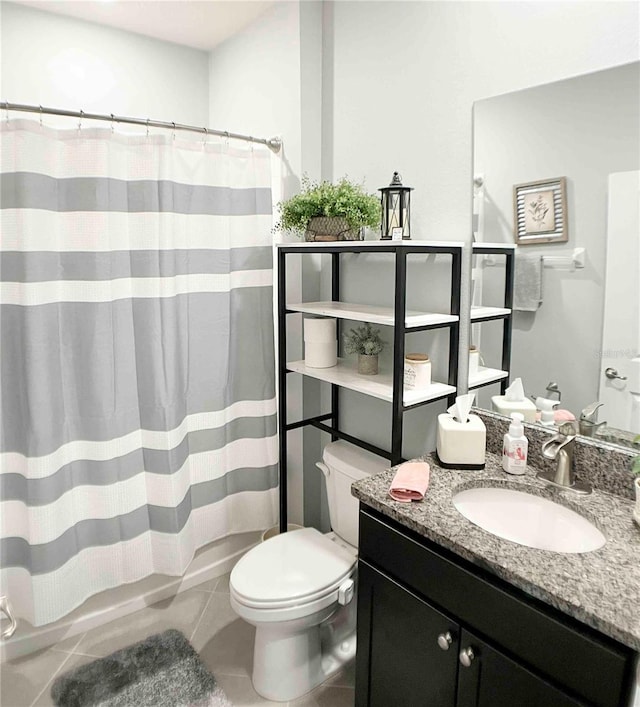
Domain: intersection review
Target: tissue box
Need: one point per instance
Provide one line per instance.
(461, 445)
(505, 407)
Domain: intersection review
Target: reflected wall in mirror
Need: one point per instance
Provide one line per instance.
(585, 331)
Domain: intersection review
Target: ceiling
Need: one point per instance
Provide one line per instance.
(201, 24)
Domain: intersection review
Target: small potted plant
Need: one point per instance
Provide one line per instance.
(329, 212)
(366, 342)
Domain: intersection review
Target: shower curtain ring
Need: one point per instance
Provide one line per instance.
(226, 138)
(41, 116)
(113, 117)
(80, 121)
(173, 134)
(206, 135)
(6, 108)
(147, 127)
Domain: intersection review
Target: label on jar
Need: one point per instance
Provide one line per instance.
(409, 376)
(417, 371)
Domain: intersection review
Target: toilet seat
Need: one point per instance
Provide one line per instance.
(290, 570)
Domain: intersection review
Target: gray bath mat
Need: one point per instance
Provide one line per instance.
(162, 671)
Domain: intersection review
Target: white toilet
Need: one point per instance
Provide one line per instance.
(298, 588)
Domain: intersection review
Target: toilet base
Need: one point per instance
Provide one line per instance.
(287, 665)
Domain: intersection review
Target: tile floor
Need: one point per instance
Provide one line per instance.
(204, 615)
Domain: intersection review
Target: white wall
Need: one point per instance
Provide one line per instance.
(407, 73)
(401, 79)
(255, 82)
(60, 62)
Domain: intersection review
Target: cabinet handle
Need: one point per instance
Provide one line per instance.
(466, 656)
(445, 640)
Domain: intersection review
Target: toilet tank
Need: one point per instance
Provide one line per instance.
(343, 464)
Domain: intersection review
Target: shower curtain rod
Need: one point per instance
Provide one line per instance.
(273, 143)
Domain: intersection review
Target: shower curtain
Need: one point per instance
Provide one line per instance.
(137, 369)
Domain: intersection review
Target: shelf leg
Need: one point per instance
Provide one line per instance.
(398, 355)
(335, 297)
(282, 388)
(507, 328)
(454, 331)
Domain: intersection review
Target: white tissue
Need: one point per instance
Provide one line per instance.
(515, 392)
(460, 409)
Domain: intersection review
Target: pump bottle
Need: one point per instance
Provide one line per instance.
(514, 449)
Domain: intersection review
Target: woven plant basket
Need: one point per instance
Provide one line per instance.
(331, 228)
(368, 365)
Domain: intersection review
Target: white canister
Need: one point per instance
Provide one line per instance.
(474, 361)
(320, 345)
(417, 371)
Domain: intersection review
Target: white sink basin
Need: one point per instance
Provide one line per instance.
(528, 520)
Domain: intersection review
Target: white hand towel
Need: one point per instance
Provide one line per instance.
(527, 291)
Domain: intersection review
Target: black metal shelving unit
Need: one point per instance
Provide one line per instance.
(330, 422)
(503, 313)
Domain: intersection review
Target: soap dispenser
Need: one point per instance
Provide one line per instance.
(547, 410)
(514, 449)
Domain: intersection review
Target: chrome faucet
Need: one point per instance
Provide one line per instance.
(560, 448)
(588, 417)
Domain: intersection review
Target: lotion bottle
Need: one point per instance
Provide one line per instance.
(514, 449)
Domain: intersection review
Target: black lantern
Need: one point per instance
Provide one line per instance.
(396, 210)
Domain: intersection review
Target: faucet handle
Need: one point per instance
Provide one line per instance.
(552, 388)
(568, 428)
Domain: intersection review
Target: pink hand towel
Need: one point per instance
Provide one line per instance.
(410, 482)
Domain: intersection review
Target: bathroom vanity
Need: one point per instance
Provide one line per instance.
(449, 614)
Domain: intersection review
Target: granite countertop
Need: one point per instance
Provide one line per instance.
(600, 588)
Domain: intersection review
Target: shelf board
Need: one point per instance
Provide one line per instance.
(370, 313)
(373, 245)
(380, 386)
(485, 376)
(479, 313)
(481, 246)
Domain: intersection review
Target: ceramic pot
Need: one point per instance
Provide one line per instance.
(331, 228)
(368, 365)
(417, 371)
(636, 510)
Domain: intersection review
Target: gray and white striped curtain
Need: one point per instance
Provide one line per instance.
(137, 367)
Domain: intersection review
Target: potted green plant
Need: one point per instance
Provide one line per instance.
(329, 212)
(366, 342)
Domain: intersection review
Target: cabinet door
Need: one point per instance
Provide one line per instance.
(403, 655)
(488, 678)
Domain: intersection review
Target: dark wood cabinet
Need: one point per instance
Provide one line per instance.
(406, 665)
(490, 679)
(435, 632)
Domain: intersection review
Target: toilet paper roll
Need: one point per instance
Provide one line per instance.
(319, 330)
(320, 354)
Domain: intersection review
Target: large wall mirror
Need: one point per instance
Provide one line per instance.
(576, 321)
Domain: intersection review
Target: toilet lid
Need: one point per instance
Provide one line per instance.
(290, 567)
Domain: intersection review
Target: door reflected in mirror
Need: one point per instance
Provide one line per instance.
(576, 315)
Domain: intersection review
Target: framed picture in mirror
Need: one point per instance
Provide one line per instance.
(540, 212)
